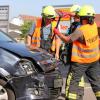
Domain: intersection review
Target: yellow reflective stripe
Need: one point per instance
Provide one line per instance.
(36, 38)
(84, 56)
(85, 50)
(67, 91)
(72, 96)
(69, 78)
(97, 94)
(68, 83)
(82, 82)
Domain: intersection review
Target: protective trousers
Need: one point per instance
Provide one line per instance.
(92, 71)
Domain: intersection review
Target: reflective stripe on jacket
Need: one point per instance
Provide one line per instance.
(36, 37)
(89, 51)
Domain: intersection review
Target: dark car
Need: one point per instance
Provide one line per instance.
(27, 74)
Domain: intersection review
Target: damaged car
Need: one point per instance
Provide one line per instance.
(27, 74)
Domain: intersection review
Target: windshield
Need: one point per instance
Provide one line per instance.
(4, 37)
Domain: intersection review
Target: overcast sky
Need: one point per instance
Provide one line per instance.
(33, 7)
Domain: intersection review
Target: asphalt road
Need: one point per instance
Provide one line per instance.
(88, 94)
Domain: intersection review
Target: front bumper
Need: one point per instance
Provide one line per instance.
(36, 86)
(25, 86)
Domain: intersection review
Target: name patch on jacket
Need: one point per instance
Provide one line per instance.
(93, 39)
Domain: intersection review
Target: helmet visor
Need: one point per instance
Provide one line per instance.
(47, 16)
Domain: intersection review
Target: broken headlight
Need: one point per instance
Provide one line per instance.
(25, 67)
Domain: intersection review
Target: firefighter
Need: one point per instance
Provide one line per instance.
(41, 32)
(85, 55)
(75, 10)
(74, 25)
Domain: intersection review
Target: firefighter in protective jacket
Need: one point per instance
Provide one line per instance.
(85, 55)
(41, 33)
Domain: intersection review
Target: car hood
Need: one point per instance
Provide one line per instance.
(39, 56)
(19, 49)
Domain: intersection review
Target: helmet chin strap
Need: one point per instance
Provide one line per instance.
(91, 20)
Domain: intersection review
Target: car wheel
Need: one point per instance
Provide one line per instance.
(5, 93)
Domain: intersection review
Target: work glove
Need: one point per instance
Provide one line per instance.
(56, 31)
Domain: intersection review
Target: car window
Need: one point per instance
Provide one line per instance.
(4, 37)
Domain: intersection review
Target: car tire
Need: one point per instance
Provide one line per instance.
(8, 91)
